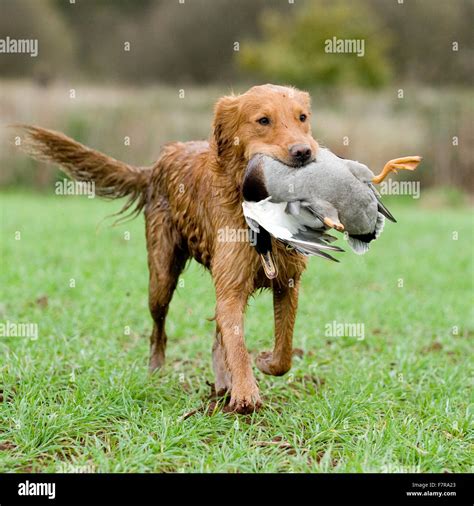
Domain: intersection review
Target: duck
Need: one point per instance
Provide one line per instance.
(299, 206)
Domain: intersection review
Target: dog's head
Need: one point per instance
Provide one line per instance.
(272, 120)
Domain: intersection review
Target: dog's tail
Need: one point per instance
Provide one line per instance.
(111, 178)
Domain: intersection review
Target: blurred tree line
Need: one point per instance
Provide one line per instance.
(195, 41)
(306, 51)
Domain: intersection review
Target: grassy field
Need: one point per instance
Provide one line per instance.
(78, 398)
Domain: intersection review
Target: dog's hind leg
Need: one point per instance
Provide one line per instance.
(166, 260)
(285, 302)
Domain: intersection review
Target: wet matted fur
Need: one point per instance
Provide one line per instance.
(189, 195)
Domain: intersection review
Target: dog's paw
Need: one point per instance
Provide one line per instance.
(244, 401)
(156, 362)
(222, 391)
(268, 365)
(223, 384)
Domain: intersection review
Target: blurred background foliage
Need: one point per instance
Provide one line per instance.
(211, 47)
(296, 52)
(193, 42)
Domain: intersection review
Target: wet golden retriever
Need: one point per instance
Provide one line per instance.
(190, 195)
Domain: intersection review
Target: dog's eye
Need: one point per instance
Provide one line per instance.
(303, 118)
(264, 121)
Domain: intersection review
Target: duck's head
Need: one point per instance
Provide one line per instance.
(253, 187)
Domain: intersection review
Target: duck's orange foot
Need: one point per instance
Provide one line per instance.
(406, 163)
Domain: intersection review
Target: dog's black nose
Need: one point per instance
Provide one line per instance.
(300, 153)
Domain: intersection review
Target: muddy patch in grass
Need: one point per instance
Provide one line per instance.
(7, 446)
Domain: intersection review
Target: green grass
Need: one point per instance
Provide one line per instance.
(79, 397)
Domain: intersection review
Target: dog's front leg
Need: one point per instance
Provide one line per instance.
(223, 378)
(285, 303)
(244, 395)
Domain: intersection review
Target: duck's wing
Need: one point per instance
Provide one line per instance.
(287, 228)
(381, 207)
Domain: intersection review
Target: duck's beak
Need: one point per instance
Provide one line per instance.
(406, 163)
(269, 265)
(332, 224)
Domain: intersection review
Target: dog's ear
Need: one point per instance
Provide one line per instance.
(305, 97)
(226, 122)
